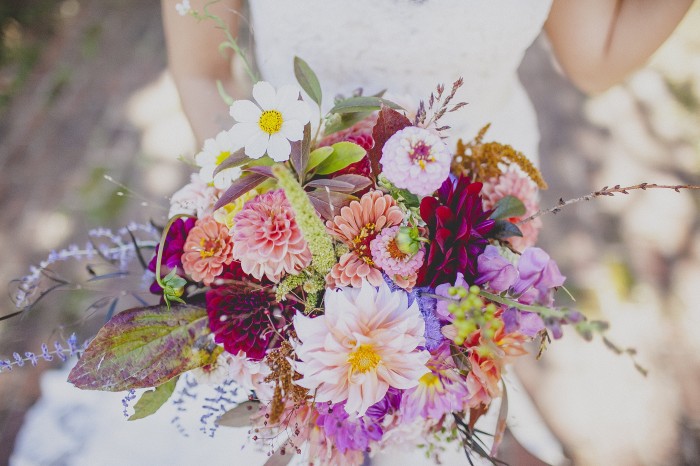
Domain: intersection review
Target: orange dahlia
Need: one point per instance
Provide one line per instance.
(207, 249)
(356, 226)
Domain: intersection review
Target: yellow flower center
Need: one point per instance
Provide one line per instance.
(221, 157)
(270, 121)
(393, 249)
(429, 380)
(209, 248)
(364, 359)
(361, 242)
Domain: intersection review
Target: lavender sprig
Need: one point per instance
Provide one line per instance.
(63, 353)
(114, 247)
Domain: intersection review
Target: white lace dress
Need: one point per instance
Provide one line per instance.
(404, 46)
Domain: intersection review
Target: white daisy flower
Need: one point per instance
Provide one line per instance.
(183, 7)
(278, 117)
(214, 152)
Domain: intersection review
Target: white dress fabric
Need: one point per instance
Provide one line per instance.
(406, 47)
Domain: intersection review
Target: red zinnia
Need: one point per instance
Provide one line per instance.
(457, 223)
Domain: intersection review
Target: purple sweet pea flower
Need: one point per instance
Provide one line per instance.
(527, 323)
(537, 270)
(495, 271)
(344, 432)
(172, 254)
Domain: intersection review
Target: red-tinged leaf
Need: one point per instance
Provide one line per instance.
(388, 123)
(329, 203)
(300, 152)
(239, 187)
(261, 170)
(144, 347)
(233, 160)
(343, 183)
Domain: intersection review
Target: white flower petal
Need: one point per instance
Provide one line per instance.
(286, 96)
(256, 147)
(292, 130)
(297, 110)
(242, 133)
(245, 111)
(279, 148)
(265, 95)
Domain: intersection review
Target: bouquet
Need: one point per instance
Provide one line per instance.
(362, 281)
(357, 284)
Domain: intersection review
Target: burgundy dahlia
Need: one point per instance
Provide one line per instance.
(457, 223)
(241, 318)
(172, 254)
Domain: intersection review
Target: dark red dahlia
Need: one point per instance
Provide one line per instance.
(457, 223)
(242, 317)
(172, 253)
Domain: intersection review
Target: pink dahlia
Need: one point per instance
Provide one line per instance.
(356, 226)
(515, 183)
(438, 392)
(368, 340)
(207, 250)
(416, 159)
(402, 268)
(267, 239)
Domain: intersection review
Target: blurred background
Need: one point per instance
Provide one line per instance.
(84, 92)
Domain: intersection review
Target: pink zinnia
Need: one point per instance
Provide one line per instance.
(402, 268)
(207, 249)
(438, 392)
(416, 159)
(368, 340)
(515, 183)
(356, 226)
(267, 239)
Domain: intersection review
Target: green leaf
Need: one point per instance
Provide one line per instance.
(234, 160)
(503, 229)
(508, 207)
(239, 187)
(152, 400)
(240, 415)
(403, 196)
(307, 80)
(145, 347)
(362, 104)
(344, 153)
(335, 122)
(318, 156)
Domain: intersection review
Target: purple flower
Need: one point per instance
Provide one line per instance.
(537, 270)
(442, 290)
(347, 433)
(172, 254)
(495, 270)
(527, 323)
(388, 405)
(426, 305)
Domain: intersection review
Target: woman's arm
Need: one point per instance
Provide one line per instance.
(599, 42)
(196, 64)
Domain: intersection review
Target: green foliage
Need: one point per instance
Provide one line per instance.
(307, 79)
(508, 207)
(344, 153)
(145, 347)
(152, 400)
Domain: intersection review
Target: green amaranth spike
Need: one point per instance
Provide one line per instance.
(311, 226)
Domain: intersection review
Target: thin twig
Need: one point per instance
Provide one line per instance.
(606, 191)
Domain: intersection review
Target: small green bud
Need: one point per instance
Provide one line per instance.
(408, 240)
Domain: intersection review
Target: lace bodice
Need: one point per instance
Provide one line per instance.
(408, 47)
